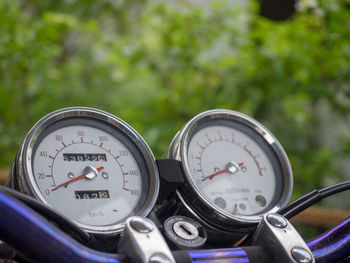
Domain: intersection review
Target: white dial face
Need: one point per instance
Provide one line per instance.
(87, 174)
(231, 170)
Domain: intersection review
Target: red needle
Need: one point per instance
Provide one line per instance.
(219, 172)
(75, 179)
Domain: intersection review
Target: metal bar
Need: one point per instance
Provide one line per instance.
(333, 245)
(232, 255)
(40, 241)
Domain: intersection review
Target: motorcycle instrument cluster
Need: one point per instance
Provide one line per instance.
(89, 165)
(97, 170)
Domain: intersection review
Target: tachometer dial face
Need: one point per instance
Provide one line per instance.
(235, 169)
(95, 170)
(231, 169)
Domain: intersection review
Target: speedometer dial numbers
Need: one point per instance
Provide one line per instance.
(235, 170)
(73, 159)
(91, 166)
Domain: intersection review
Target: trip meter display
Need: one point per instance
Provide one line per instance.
(235, 169)
(90, 166)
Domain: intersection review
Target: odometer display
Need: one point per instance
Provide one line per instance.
(84, 157)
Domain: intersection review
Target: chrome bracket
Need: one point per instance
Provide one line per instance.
(277, 234)
(141, 241)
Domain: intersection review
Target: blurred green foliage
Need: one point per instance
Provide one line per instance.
(156, 65)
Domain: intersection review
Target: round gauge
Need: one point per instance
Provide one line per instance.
(90, 166)
(235, 169)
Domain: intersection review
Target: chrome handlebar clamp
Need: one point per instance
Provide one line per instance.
(141, 241)
(284, 242)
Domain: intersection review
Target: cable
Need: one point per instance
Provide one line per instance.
(62, 222)
(334, 189)
(311, 198)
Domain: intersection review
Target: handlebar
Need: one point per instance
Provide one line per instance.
(333, 245)
(20, 226)
(235, 255)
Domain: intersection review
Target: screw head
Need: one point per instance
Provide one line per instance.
(276, 220)
(141, 225)
(301, 255)
(105, 174)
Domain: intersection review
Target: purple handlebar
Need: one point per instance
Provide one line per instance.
(40, 241)
(36, 238)
(333, 245)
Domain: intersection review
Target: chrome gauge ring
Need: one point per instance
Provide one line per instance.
(235, 169)
(90, 166)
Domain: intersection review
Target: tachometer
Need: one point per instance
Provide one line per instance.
(235, 169)
(89, 165)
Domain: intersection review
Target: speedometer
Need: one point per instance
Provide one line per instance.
(90, 166)
(235, 169)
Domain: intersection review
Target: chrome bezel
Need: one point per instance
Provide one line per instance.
(24, 168)
(194, 197)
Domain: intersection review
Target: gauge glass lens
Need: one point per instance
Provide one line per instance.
(233, 167)
(90, 172)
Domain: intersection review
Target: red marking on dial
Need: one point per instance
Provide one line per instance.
(75, 179)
